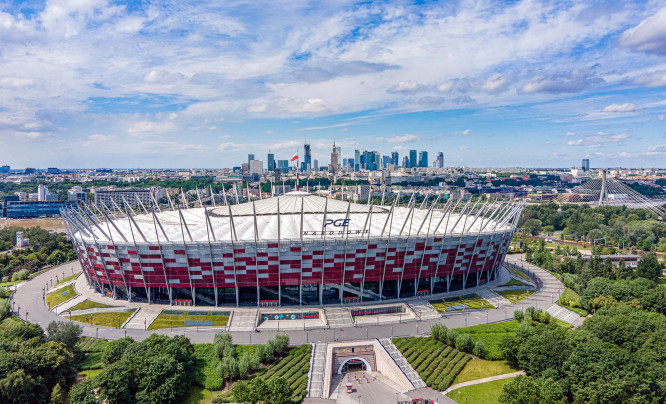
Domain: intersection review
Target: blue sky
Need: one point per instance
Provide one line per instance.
(93, 83)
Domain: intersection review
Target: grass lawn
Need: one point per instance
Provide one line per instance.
(93, 360)
(515, 295)
(89, 374)
(519, 273)
(8, 284)
(112, 319)
(92, 344)
(514, 282)
(480, 369)
(492, 335)
(165, 320)
(89, 304)
(10, 322)
(487, 393)
(472, 301)
(197, 395)
(69, 278)
(60, 295)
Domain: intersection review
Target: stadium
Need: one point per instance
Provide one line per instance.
(293, 249)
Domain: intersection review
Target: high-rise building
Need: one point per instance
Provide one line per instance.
(357, 160)
(256, 167)
(283, 166)
(413, 162)
(423, 159)
(41, 192)
(386, 160)
(395, 157)
(405, 162)
(316, 165)
(307, 157)
(271, 162)
(586, 164)
(335, 162)
(250, 157)
(440, 160)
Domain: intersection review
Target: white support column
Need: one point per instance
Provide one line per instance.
(232, 236)
(209, 229)
(388, 246)
(166, 278)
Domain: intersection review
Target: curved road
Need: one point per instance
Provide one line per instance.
(29, 297)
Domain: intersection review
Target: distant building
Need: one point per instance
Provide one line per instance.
(586, 164)
(363, 192)
(256, 167)
(283, 166)
(412, 159)
(27, 209)
(250, 157)
(52, 170)
(4, 170)
(307, 157)
(271, 162)
(423, 159)
(119, 196)
(357, 160)
(405, 162)
(395, 157)
(22, 242)
(316, 165)
(29, 170)
(280, 189)
(440, 160)
(334, 167)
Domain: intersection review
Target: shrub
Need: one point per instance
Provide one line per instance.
(464, 343)
(20, 275)
(480, 349)
(4, 308)
(451, 336)
(518, 315)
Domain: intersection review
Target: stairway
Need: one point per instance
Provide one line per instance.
(423, 310)
(316, 376)
(338, 317)
(402, 363)
(492, 297)
(565, 315)
(243, 320)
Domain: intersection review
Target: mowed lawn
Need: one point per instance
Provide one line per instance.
(515, 295)
(111, 319)
(492, 335)
(169, 319)
(479, 368)
(486, 393)
(67, 279)
(60, 296)
(473, 302)
(89, 304)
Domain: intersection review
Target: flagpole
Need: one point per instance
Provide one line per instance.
(296, 169)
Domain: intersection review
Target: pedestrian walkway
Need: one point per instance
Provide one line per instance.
(402, 363)
(423, 310)
(143, 318)
(243, 320)
(493, 298)
(316, 376)
(565, 315)
(338, 317)
(64, 306)
(484, 380)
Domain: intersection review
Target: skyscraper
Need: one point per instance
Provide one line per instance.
(335, 164)
(271, 162)
(413, 162)
(307, 157)
(250, 157)
(316, 165)
(357, 160)
(586, 164)
(423, 159)
(440, 160)
(405, 162)
(396, 158)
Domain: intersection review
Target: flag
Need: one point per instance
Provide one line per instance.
(295, 157)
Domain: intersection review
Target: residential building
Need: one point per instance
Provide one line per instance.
(120, 197)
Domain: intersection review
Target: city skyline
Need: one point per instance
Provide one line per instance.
(490, 84)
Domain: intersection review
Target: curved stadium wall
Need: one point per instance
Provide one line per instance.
(297, 248)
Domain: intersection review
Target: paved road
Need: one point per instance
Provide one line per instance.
(29, 297)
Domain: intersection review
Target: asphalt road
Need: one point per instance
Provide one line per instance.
(29, 297)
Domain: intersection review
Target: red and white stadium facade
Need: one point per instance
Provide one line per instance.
(297, 248)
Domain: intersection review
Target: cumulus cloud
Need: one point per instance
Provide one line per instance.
(599, 139)
(570, 134)
(146, 128)
(404, 87)
(495, 84)
(649, 36)
(399, 138)
(661, 148)
(626, 107)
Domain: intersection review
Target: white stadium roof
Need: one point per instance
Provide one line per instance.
(301, 215)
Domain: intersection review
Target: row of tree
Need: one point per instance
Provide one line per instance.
(46, 248)
(462, 342)
(234, 368)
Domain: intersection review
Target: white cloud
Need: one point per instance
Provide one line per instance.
(143, 128)
(658, 148)
(570, 134)
(654, 79)
(563, 82)
(399, 138)
(404, 87)
(495, 84)
(626, 107)
(577, 142)
(648, 36)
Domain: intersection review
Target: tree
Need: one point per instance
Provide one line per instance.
(116, 383)
(480, 349)
(58, 395)
(82, 393)
(528, 390)
(66, 332)
(18, 388)
(244, 366)
(56, 257)
(115, 350)
(281, 343)
(241, 392)
(280, 392)
(222, 342)
(533, 226)
(649, 267)
(464, 343)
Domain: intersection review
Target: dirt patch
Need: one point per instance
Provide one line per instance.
(47, 224)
